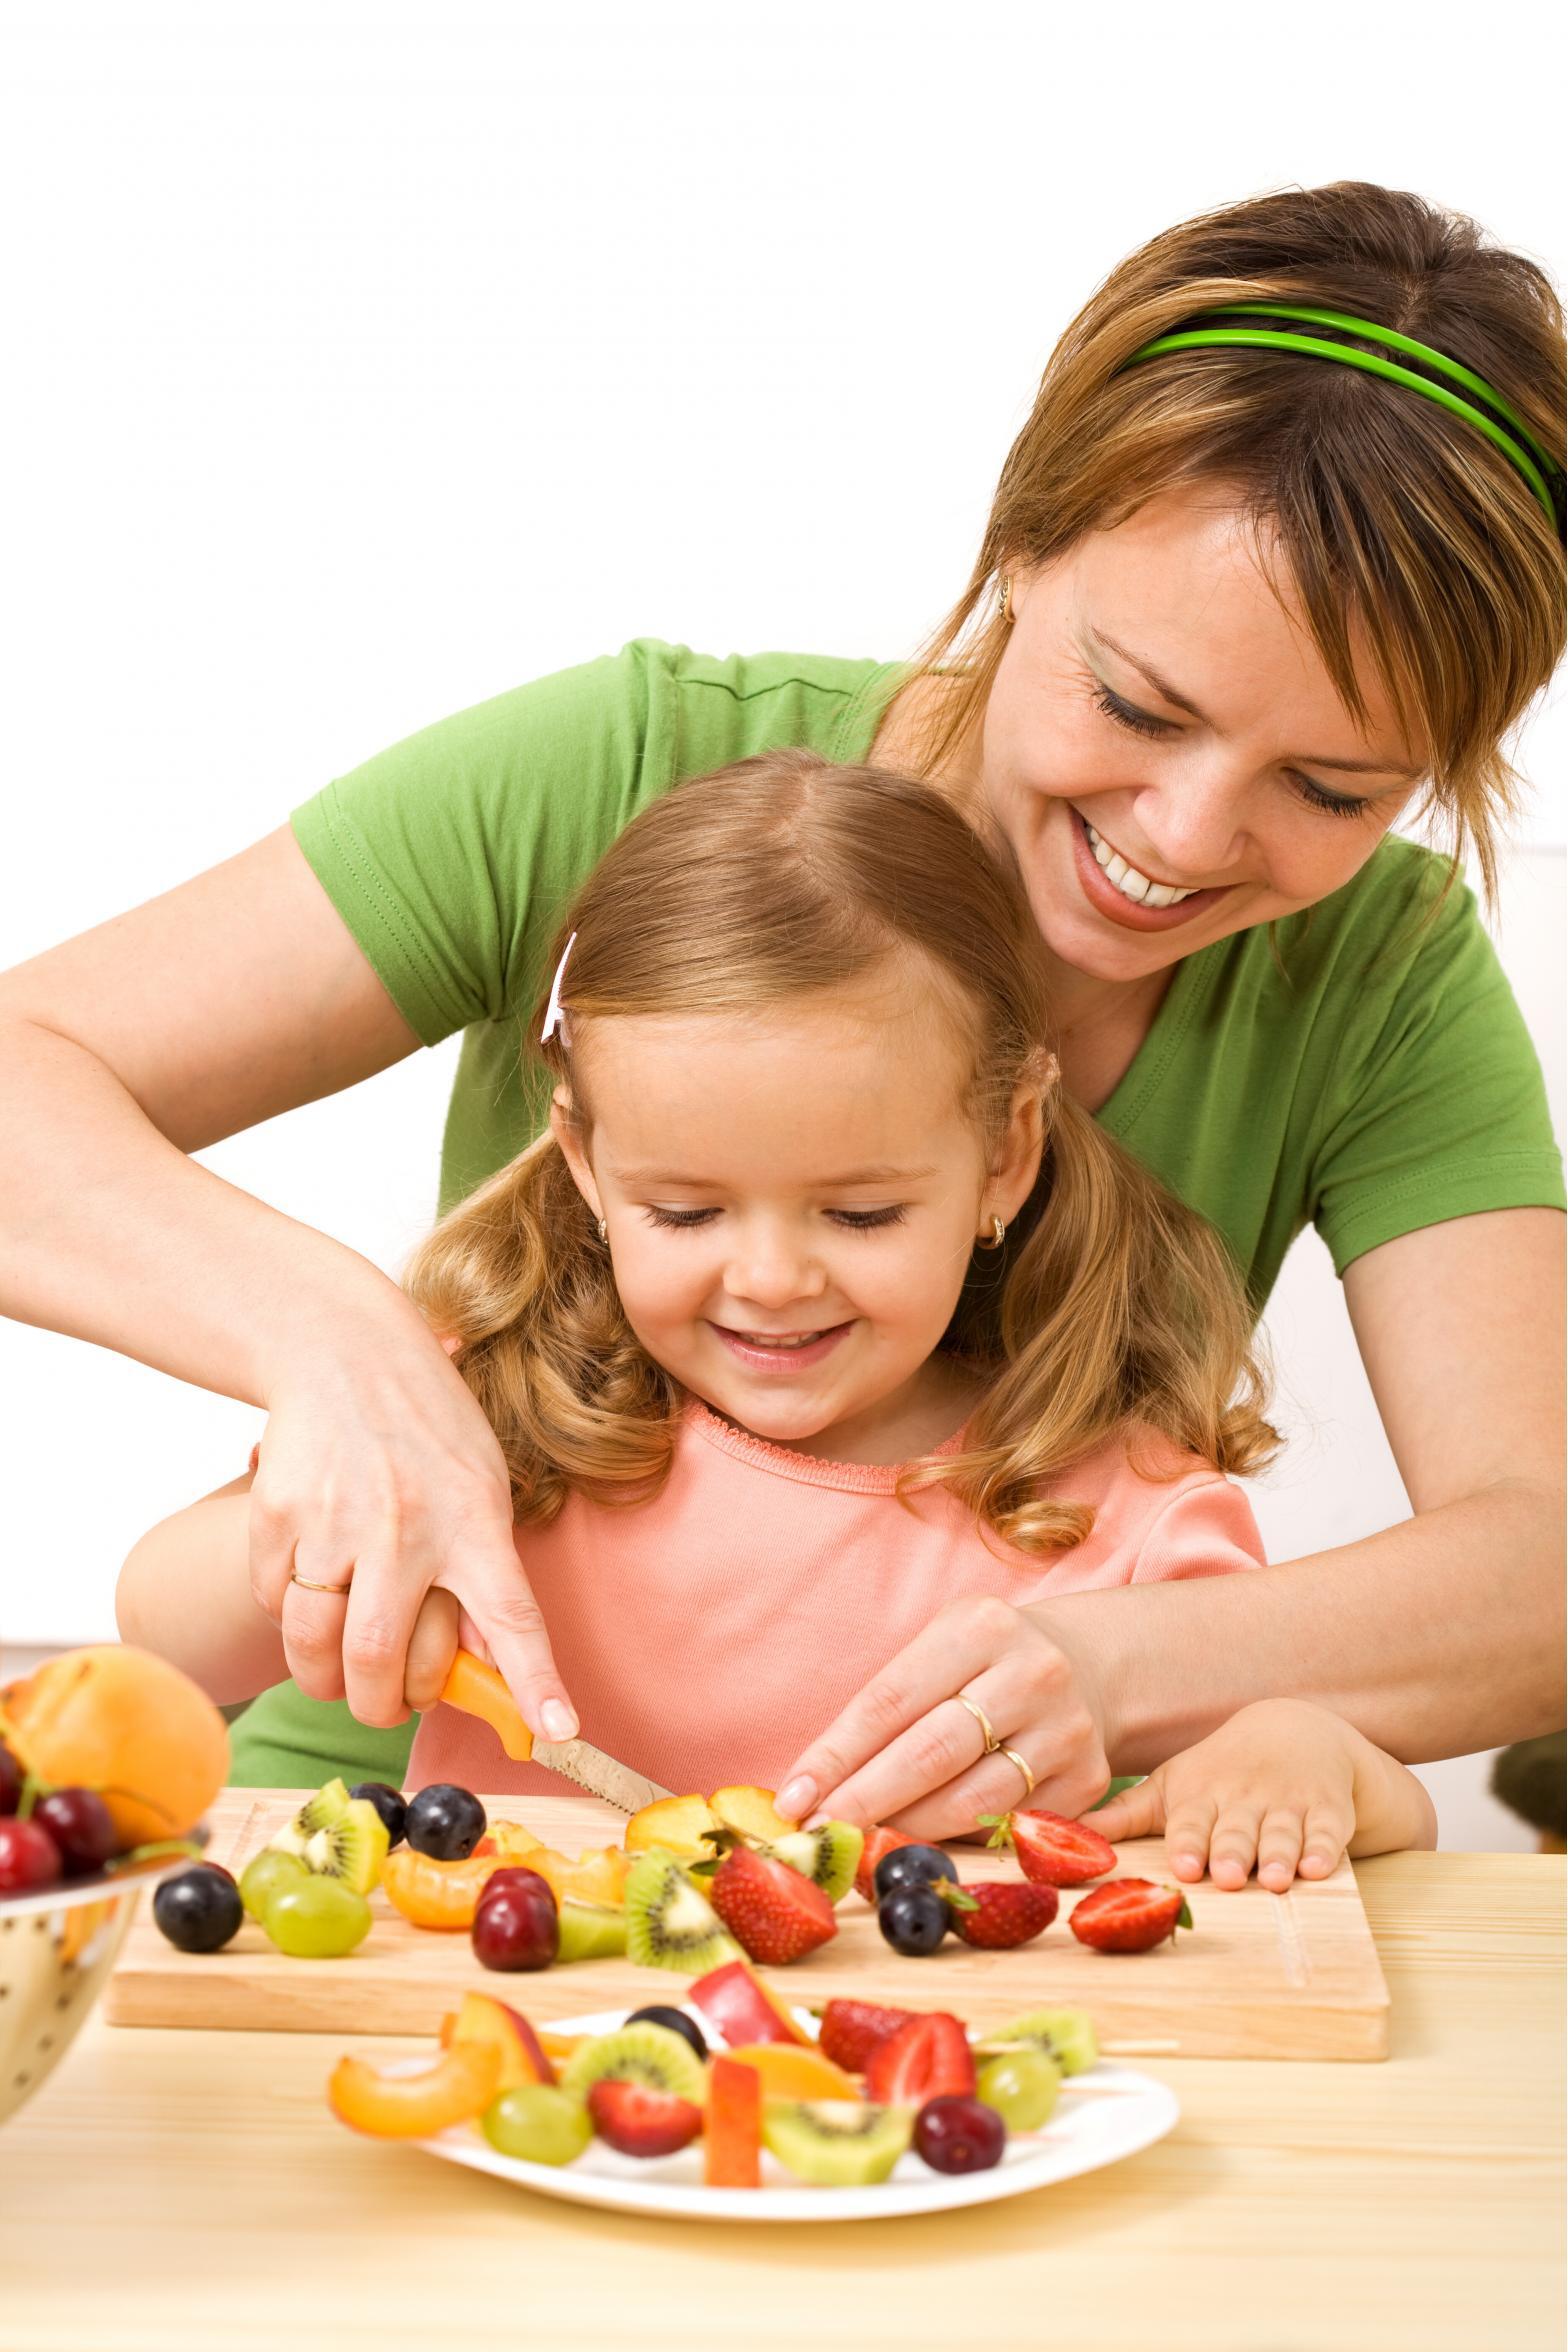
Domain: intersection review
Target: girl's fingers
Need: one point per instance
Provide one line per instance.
(1233, 1843)
(1136, 1812)
(431, 1649)
(1324, 1839)
(948, 1655)
(1189, 1825)
(1279, 1847)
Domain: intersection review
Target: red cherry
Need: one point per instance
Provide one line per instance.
(516, 1924)
(78, 1821)
(29, 1857)
(10, 1781)
(960, 2135)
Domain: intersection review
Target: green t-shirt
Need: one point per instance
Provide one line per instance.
(1365, 1068)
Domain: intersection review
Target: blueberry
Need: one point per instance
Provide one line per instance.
(911, 1866)
(389, 1804)
(676, 2020)
(913, 1920)
(444, 1821)
(200, 1909)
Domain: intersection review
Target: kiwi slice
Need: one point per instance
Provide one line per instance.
(828, 1855)
(317, 1813)
(1067, 2035)
(352, 1848)
(836, 2143)
(591, 1931)
(649, 2054)
(669, 1921)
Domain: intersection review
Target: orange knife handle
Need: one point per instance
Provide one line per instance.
(479, 1690)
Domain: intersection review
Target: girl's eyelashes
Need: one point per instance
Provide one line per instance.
(1138, 722)
(852, 1220)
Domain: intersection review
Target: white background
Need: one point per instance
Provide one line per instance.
(362, 361)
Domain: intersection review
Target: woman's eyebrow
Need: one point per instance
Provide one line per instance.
(1169, 693)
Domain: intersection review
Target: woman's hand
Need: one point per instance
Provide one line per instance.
(379, 1473)
(908, 1752)
(1284, 1784)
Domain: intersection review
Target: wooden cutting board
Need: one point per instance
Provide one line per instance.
(1261, 1976)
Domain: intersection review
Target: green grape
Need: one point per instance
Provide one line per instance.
(319, 1919)
(1023, 2086)
(265, 1875)
(539, 2123)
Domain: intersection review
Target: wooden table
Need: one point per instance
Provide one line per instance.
(189, 2190)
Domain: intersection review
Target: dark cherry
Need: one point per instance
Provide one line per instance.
(10, 1781)
(78, 1821)
(199, 1910)
(911, 1866)
(29, 1857)
(913, 1921)
(389, 1804)
(444, 1821)
(960, 2135)
(676, 2020)
(516, 1924)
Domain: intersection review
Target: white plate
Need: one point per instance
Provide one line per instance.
(1103, 2115)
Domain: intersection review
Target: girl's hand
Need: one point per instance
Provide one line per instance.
(1285, 1785)
(908, 1752)
(379, 1473)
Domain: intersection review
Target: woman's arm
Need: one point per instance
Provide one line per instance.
(1438, 1636)
(231, 999)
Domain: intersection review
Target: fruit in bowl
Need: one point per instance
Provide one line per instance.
(126, 1726)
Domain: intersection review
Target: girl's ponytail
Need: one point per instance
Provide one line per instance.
(516, 1273)
(1120, 1317)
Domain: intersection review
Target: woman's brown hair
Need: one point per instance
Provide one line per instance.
(1393, 518)
(1111, 1309)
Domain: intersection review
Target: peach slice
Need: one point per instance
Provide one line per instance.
(751, 1814)
(597, 1879)
(479, 1690)
(482, 2018)
(791, 2073)
(732, 2141)
(683, 1826)
(412, 2106)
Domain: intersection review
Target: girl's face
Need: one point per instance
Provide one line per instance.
(1162, 723)
(792, 1200)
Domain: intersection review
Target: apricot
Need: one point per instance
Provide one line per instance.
(128, 1724)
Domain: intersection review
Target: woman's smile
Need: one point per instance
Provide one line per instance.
(1125, 894)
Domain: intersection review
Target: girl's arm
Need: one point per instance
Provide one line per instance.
(1285, 1785)
(185, 1592)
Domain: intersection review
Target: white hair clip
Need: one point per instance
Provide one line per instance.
(555, 1011)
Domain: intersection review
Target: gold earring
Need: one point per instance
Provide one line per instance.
(1004, 600)
(604, 1230)
(998, 1236)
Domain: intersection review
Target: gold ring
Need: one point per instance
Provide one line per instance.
(1013, 1757)
(306, 1584)
(992, 1743)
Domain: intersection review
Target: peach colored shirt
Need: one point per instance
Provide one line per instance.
(708, 1635)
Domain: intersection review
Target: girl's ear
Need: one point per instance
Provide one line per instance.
(567, 1133)
(1017, 1160)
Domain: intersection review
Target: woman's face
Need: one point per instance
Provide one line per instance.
(1161, 722)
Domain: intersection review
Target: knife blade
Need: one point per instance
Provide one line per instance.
(479, 1690)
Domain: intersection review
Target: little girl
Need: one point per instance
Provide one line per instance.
(820, 1307)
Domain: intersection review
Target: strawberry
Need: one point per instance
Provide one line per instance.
(771, 1910)
(929, 2058)
(641, 2121)
(1129, 1915)
(1052, 1850)
(851, 2030)
(879, 1841)
(1007, 1913)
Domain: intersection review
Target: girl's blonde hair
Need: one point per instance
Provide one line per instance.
(1393, 518)
(783, 879)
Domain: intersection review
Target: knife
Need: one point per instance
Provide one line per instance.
(479, 1690)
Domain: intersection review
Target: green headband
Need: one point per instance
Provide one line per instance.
(1504, 427)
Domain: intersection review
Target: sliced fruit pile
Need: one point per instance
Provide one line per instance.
(735, 2069)
(919, 1900)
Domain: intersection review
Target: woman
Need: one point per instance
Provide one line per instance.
(1240, 605)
